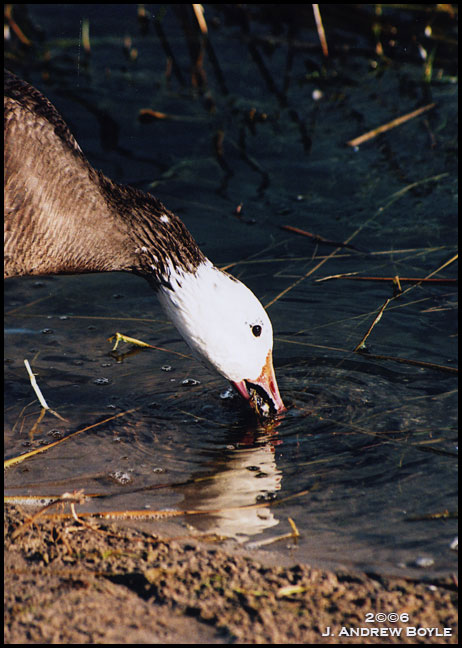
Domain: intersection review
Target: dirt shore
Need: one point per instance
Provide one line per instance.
(69, 583)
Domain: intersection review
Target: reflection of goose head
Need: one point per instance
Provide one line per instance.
(236, 493)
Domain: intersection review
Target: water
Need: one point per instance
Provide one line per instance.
(364, 461)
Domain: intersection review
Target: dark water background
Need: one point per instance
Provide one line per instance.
(364, 462)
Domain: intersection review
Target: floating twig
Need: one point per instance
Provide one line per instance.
(442, 282)
(439, 515)
(392, 124)
(148, 114)
(15, 460)
(320, 28)
(39, 395)
(120, 337)
(361, 345)
(199, 13)
(86, 36)
(35, 387)
(319, 239)
(14, 25)
(416, 363)
(294, 535)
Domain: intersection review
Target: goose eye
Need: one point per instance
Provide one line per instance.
(256, 330)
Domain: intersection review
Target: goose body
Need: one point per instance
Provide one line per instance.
(63, 216)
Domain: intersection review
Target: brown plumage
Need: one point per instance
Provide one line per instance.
(61, 215)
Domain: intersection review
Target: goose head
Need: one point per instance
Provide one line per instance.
(226, 327)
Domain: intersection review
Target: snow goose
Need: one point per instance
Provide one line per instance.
(63, 216)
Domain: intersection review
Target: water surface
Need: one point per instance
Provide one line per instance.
(364, 461)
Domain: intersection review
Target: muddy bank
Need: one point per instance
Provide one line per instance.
(69, 583)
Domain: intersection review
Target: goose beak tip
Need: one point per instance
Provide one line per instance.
(267, 382)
